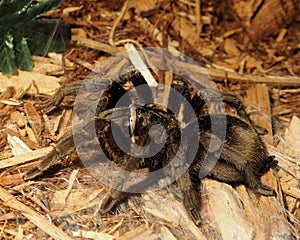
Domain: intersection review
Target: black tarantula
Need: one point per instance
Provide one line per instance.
(241, 158)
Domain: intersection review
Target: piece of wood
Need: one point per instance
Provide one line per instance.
(35, 121)
(24, 158)
(17, 145)
(288, 154)
(221, 75)
(29, 81)
(146, 233)
(223, 212)
(21, 133)
(291, 139)
(63, 126)
(139, 64)
(37, 219)
(241, 213)
(92, 235)
(6, 93)
(258, 96)
(164, 207)
(95, 45)
(11, 180)
(264, 18)
(258, 103)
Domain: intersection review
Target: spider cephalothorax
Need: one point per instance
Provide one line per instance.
(241, 158)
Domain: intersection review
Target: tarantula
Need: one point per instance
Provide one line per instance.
(241, 158)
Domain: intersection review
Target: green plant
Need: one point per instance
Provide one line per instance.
(23, 33)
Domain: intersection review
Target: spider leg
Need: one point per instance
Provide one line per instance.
(243, 157)
(248, 173)
(116, 195)
(254, 183)
(191, 198)
(224, 172)
(211, 95)
(64, 146)
(235, 102)
(71, 88)
(190, 191)
(108, 100)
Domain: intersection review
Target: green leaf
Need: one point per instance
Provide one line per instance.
(41, 7)
(17, 11)
(23, 55)
(9, 8)
(23, 33)
(44, 36)
(7, 64)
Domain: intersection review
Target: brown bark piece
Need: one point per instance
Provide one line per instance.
(271, 214)
(34, 120)
(264, 18)
(258, 101)
(11, 180)
(6, 94)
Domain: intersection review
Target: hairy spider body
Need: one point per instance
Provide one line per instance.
(146, 117)
(242, 158)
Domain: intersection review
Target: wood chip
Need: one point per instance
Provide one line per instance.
(46, 84)
(18, 147)
(26, 157)
(34, 119)
(145, 233)
(231, 48)
(64, 123)
(37, 219)
(66, 11)
(291, 140)
(165, 207)
(259, 105)
(92, 235)
(95, 45)
(11, 180)
(224, 208)
(11, 102)
(6, 93)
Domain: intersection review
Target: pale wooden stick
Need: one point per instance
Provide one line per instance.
(198, 17)
(24, 158)
(137, 61)
(116, 22)
(95, 45)
(221, 75)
